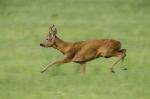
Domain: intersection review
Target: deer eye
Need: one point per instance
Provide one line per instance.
(46, 39)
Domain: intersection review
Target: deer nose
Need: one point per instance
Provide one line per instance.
(41, 44)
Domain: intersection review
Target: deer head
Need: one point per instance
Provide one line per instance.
(50, 38)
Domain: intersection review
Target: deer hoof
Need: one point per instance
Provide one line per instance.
(124, 69)
(42, 71)
(112, 71)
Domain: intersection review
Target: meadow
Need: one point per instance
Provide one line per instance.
(24, 24)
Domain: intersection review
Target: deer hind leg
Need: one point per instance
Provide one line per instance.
(123, 51)
(121, 55)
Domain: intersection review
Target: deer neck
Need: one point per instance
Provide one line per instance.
(60, 45)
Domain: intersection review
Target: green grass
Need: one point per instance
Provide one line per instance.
(24, 24)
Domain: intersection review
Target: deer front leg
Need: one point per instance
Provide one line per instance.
(51, 64)
(82, 68)
(66, 59)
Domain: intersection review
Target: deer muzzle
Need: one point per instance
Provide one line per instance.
(42, 45)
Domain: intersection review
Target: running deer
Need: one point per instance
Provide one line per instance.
(83, 51)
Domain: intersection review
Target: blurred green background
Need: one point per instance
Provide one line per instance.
(24, 24)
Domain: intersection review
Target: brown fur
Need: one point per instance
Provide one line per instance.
(85, 51)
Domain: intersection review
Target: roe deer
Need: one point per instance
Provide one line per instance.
(83, 51)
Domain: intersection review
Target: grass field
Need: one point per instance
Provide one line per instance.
(24, 24)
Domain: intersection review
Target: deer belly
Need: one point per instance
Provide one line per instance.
(84, 56)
